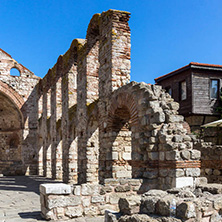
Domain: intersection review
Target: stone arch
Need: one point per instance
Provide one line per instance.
(122, 123)
(93, 31)
(11, 123)
(119, 102)
(10, 92)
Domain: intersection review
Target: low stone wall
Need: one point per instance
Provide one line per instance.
(211, 161)
(62, 201)
(201, 204)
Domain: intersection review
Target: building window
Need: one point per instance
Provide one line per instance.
(183, 90)
(214, 88)
(169, 90)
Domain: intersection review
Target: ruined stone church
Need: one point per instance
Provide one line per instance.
(85, 121)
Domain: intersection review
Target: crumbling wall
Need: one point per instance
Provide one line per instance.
(20, 94)
(94, 124)
(211, 163)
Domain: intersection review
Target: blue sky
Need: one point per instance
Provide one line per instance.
(166, 34)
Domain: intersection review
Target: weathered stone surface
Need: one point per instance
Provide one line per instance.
(200, 180)
(155, 192)
(63, 201)
(148, 204)
(129, 205)
(186, 210)
(122, 188)
(90, 189)
(185, 154)
(151, 174)
(137, 218)
(192, 172)
(211, 188)
(59, 188)
(163, 205)
(72, 212)
(195, 154)
(218, 203)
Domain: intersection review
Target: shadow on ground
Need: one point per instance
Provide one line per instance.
(24, 183)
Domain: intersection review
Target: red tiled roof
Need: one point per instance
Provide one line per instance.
(189, 65)
(5, 53)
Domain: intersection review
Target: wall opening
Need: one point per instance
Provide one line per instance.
(15, 72)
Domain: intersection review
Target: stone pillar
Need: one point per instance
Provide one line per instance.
(59, 170)
(114, 72)
(48, 137)
(40, 136)
(114, 51)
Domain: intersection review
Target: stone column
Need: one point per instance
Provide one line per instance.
(114, 72)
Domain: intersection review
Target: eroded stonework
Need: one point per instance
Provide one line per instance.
(85, 122)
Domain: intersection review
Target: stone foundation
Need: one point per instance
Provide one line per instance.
(201, 204)
(61, 201)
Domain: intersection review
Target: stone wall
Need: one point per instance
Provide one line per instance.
(61, 201)
(175, 205)
(211, 161)
(18, 120)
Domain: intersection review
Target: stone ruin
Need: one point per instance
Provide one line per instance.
(87, 125)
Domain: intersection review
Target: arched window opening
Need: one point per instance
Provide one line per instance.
(14, 72)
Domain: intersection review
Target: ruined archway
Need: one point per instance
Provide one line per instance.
(10, 137)
(122, 125)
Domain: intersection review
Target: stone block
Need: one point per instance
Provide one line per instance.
(163, 205)
(192, 172)
(186, 210)
(86, 201)
(127, 156)
(122, 188)
(172, 155)
(56, 188)
(90, 189)
(114, 198)
(217, 203)
(111, 181)
(72, 212)
(185, 154)
(115, 155)
(177, 139)
(151, 174)
(163, 172)
(183, 182)
(148, 204)
(200, 180)
(153, 155)
(195, 154)
(63, 201)
(123, 174)
(98, 199)
(77, 190)
(91, 211)
(129, 205)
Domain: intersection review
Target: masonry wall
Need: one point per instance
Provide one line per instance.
(211, 160)
(20, 93)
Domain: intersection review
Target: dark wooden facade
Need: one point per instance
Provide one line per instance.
(198, 78)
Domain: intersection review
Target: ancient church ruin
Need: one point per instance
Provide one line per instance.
(86, 124)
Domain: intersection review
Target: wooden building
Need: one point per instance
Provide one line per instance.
(196, 87)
